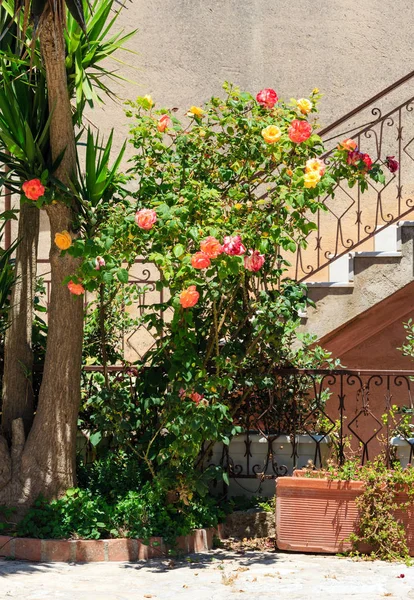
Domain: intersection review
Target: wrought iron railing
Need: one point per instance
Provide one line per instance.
(352, 219)
(316, 415)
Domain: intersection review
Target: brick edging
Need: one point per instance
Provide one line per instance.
(121, 549)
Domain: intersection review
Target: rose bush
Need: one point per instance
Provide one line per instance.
(221, 201)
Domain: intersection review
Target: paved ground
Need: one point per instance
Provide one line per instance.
(218, 575)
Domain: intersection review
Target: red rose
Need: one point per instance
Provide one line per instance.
(353, 157)
(33, 189)
(392, 164)
(267, 98)
(367, 160)
(299, 131)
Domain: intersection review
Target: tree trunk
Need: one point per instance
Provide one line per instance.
(47, 463)
(18, 355)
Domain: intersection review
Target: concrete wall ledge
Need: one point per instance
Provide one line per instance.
(121, 549)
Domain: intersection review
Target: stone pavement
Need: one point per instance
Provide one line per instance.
(218, 575)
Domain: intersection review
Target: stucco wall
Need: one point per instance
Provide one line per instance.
(187, 48)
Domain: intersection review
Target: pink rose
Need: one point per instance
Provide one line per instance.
(200, 260)
(299, 131)
(145, 218)
(267, 98)
(99, 262)
(254, 262)
(233, 245)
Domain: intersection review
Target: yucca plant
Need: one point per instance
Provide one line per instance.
(47, 443)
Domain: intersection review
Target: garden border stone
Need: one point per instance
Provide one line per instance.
(113, 550)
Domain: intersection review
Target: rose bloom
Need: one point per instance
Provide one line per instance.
(353, 157)
(149, 99)
(99, 262)
(312, 179)
(76, 288)
(304, 105)
(189, 297)
(195, 111)
(299, 131)
(196, 397)
(347, 144)
(233, 245)
(392, 164)
(33, 189)
(200, 260)
(211, 247)
(254, 262)
(145, 218)
(315, 165)
(367, 160)
(267, 98)
(271, 134)
(63, 240)
(163, 123)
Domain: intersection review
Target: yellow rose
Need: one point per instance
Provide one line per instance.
(271, 134)
(63, 240)
(312, 179)
(149, 99)
(304, 105)
(238, 206)
(195, 111)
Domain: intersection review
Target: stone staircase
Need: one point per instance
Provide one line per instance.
(359, 280)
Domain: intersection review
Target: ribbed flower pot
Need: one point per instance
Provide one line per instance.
(317, 515)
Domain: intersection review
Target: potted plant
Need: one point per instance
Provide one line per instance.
(360, 509)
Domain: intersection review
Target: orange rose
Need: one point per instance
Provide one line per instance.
(271, 134)
(200, 260)
(163, 123)
(76, 288)
(63, 240)
(347, 144)
(33, 189)
(189, 297)
(211, 247)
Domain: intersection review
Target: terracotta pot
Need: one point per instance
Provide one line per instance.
(316, 515)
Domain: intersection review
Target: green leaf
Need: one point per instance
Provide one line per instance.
(122, 275)
(95, 438)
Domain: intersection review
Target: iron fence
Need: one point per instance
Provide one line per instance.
(315, 415)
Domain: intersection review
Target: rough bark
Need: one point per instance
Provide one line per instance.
(17, 395)
(47, 463)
